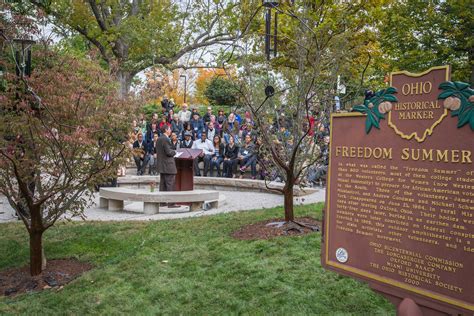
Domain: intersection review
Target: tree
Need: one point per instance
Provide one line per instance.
(61, 133)
(132, 36)
(202, 82)
(416, 35)
(317, 40)
(222, 91)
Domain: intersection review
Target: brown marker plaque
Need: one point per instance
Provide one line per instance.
(400, 211)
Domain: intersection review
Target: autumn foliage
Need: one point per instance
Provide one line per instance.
(62, 132)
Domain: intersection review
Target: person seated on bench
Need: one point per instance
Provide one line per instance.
(248, 157)
(230, 157)
(141, 154)
(218, 156)
(187, 141)
(207, 151)
(153, 159)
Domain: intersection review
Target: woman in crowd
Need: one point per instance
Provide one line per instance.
(230, 158)
(170, 116)
(218, 156)
(187, 129)
(230, 127)
(134, 133)
(164, 121)
(174, 141)
(177, 126)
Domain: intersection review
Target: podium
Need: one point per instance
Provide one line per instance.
(185, 168)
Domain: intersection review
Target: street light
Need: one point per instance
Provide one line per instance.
(269, 4)
(185, 78)
(23, 56)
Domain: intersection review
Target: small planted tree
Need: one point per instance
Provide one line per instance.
(61, 133)
(316, 42)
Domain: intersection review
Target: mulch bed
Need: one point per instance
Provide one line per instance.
(56, 275)
(262, 230)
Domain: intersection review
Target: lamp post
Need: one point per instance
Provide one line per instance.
(269, 4)
(185, 85)
(23, 56)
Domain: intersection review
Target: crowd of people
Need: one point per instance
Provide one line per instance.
(228, 141)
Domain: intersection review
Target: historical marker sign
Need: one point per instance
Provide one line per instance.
(400, 199)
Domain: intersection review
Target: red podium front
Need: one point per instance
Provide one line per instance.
(185, 168)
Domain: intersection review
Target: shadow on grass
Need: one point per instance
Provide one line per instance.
(188, 266)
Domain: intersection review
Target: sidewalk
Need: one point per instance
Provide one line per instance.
(234, 202)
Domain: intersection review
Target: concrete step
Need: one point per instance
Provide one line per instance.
(214, 183)
(131, 170)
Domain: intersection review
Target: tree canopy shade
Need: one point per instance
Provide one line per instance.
(134, 35)
(61, 133)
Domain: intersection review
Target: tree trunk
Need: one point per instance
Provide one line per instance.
(37, 261)
(125, 79)
(288, 197)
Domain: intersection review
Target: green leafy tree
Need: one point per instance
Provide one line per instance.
(134, 35)
(416, 35)
(221, 91)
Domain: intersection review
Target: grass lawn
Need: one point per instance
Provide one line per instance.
(189, 266)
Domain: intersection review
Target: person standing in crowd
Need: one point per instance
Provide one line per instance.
(184, 115)
(153, 160)
(166, 105)
(218, 156)
(187, 142)
(248, 157)
(207, 151)
(166, 165)
(175, 141)
(207, 117)
(197, 126)
(141, 154)
(177, 126)
(230, 157)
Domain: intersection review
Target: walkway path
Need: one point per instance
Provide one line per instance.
(235, 201)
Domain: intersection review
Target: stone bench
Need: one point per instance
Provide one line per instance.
(214, 183)
(113, 198)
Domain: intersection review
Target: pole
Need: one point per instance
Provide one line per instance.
(185, 86)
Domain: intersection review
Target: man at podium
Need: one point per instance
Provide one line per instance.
(166, 165)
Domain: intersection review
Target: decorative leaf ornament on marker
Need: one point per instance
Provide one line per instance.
(376, 107)
(459, 99)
